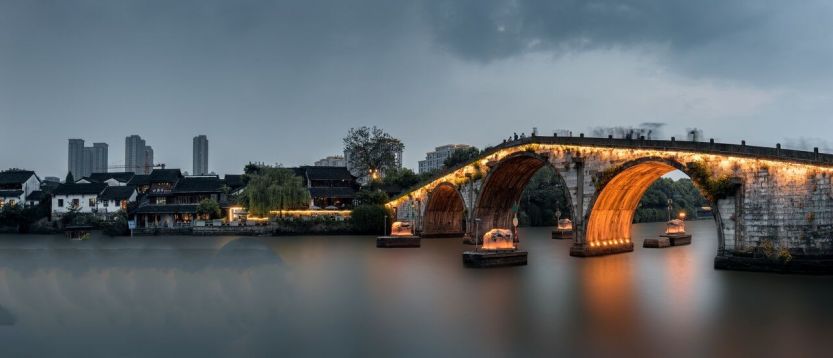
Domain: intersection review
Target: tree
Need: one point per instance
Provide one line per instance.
(69, 179)
(370, 219)
(402, 177)
(371, 150)
(461, 155)
(274, 188)
(209, 208)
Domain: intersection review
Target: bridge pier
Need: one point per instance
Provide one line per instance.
(584, 250)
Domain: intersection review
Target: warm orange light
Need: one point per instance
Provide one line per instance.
(498, 239)
(402, 228)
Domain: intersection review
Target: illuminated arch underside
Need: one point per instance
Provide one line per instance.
(612, 214)
(503, 188)
(444, 212)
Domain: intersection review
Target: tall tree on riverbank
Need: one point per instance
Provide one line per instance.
(273, 188)
(371, 151)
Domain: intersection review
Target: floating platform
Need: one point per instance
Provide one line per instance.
(563, 234)
(656, 242)
(678, 239)
(496, 258)
(397, 241)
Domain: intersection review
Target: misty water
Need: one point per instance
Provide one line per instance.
(341, 296)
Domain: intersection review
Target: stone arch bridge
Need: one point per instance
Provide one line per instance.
(773, 207)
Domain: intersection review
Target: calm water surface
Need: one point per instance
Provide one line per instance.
(340, 296)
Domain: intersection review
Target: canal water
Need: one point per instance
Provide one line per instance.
(341, 296)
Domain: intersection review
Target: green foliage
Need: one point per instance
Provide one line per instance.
(654, 204)
(713, 189)
(402, 177)
(117, 226)
(273, 188)
(209, 208)
(370, 219)
(542, 197)
(371, 149)
(460, 156)
(371, 197)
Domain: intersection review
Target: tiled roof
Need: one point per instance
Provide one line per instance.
(10, 193)
(139, 179)
(337, 192)
(36, 195)
(327, 173)
(234, 181)
(122, 177)
(15, 176)
(80, 189)
(165, 175)
(199, 184)
(166, 209)
(117, 193)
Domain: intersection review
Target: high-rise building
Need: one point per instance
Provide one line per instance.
(200, 155)
(332, 161)
(148, 159)
(99, 157)
(435, 160)
(138, 157)
(82, 161)
(75, 160)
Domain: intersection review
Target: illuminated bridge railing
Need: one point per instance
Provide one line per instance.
(710, 147)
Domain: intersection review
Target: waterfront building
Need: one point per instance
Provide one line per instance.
(81, 160)
(332, 161)
(171, 199)
(200, 155)
(435, 160)
(110, 178)
(329, 187)
(16, 185)
(81, 198)
(138, 156)
(115, 198)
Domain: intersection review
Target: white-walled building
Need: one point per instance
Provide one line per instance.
(115, 198)
(434, 160)
(81, 197)
(16, 185)
(332, 161)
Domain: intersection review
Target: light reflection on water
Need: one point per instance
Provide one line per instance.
(339, 295)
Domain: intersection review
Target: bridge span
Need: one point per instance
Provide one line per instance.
(773, 207)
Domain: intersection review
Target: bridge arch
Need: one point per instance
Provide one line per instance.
(610, 214)
(503, 186)
(445, 212)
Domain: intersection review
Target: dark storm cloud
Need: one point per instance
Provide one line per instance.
(756, 41)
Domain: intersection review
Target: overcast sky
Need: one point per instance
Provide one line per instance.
(283, 81)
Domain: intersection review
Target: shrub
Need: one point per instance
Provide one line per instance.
(370, 219)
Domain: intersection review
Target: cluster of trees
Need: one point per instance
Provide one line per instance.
(372, 151)
(269, 188)
(545, 194)
(654, 204)
(22, 217)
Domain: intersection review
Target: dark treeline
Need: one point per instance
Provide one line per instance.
(544, 195)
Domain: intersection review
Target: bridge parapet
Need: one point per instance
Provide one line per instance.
(765, 199)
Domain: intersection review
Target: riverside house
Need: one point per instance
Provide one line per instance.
(171, 199)
(16, 185)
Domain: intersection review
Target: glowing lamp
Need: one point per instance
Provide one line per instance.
(498, 239)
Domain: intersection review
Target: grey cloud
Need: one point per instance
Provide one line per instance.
(755, 41)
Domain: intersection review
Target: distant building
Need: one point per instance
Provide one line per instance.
(200, 155)
(138, 156)
(434, 160)
(81, 160)
(332, 161)
(16, 185)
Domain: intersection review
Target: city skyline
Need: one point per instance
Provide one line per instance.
(424, 76)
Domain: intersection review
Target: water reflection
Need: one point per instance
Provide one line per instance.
(340, 296)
